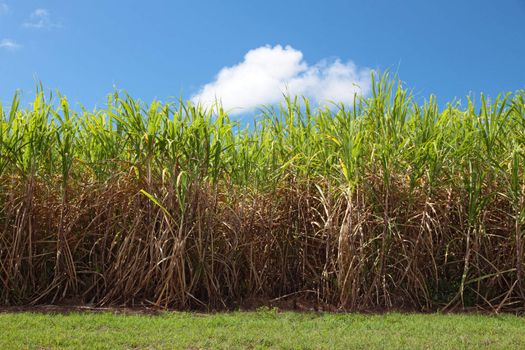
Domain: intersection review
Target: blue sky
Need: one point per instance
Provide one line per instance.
(163, 49)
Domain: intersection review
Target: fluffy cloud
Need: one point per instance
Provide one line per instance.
(268, 72)
(8, 44)
(40, 19)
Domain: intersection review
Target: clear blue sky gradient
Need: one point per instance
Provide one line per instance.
(163, 49)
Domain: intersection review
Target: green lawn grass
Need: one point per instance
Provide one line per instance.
(260, 330)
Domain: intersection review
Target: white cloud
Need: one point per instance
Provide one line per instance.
(268, 72)
(40, 19)
(3, 8)
(10, 45)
